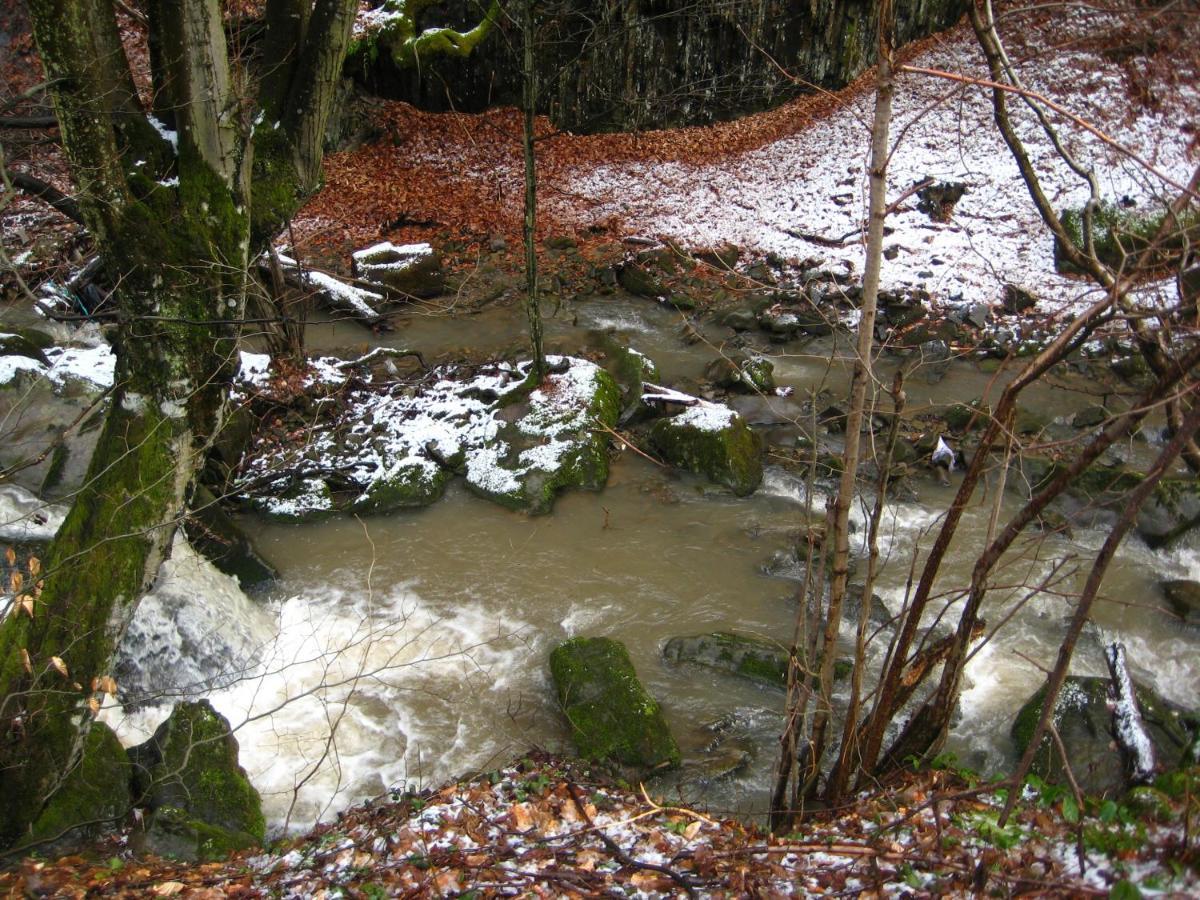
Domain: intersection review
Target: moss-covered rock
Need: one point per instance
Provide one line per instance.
(202, 805)
(758, 660)
(1084, 724)
(630, 369)
(1121, 235)
(95, 796)
(712, 441)
(549, 440)
(611, 715)
(414, 270)
(636, 280)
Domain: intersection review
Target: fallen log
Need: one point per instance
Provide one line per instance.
(333, 293)
(1133, 741)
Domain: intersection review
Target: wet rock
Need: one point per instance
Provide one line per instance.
(610, 713)
(411, 269)
(1018, 299)
(1090, 417)
(740, 319)
(939, 199)
(1184, 599)
(725, 257)
(639, 282)
(215, 535)
(631, 370)
(933, 358)
(712, 441)
(755, 659)
(1084, 724)
(201, 804)
(742, 373)
(979, 315)
(681, 301)
(94, 797)
(963, 416)
(879, 614)
(20, 345)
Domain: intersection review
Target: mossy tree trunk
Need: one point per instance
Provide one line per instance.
(176, 225)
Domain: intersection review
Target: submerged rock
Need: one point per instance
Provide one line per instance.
(611, 715)
(712, 441)
(202, 805)
(1184, 599)
(1084, 723)
(758, 660)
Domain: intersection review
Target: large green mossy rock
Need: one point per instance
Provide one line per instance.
(713, 441)
(202, 805)
(215, 535)
(1084, 724)
(1120, 236)
(95, 796)
(612, 716)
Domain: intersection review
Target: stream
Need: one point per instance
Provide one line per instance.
(401, 650)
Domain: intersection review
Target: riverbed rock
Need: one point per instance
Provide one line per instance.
(1183, 597)
(713, 441)
(638, 281)
(1084, 724)
(611, 715)
(414, 270)
(755, 659)
(630, 369)
(94, 797)
(201, 804)
(387, 446)
(218, 537)
(548, 440)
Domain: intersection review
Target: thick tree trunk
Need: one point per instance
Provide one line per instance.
(177, 251)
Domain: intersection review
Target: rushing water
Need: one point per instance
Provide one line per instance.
(405, 649)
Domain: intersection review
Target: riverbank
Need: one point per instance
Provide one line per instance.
(549, 827)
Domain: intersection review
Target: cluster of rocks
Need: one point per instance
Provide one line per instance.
(187, 795)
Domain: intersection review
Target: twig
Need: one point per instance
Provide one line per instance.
(625, 442)
(625, 859)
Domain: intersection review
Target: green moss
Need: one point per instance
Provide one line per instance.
(95, 796)
(612, 717)
(731, 456)
(191, 780)
(1120, 236)
(411, 487)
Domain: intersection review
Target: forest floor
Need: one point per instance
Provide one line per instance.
(545, 827)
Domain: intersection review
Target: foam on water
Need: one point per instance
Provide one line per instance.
(327, 717)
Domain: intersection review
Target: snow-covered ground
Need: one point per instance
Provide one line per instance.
(813, 181)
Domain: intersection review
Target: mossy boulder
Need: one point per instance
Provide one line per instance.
(639, 282)
(713, 441)
(611, 715)
(201, 803)
(1084, 723)
(747, 374)
(95, 796)
(549, 440)
(630, 369)
(1120, 235)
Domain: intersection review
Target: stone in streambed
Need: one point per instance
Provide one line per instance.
(712, 441)
(611, 715)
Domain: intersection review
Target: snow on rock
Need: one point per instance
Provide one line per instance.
(397, 447)
(90, 367)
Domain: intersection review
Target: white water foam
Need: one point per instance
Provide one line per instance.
(355, 694)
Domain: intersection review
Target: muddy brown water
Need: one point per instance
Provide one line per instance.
(421, 639)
